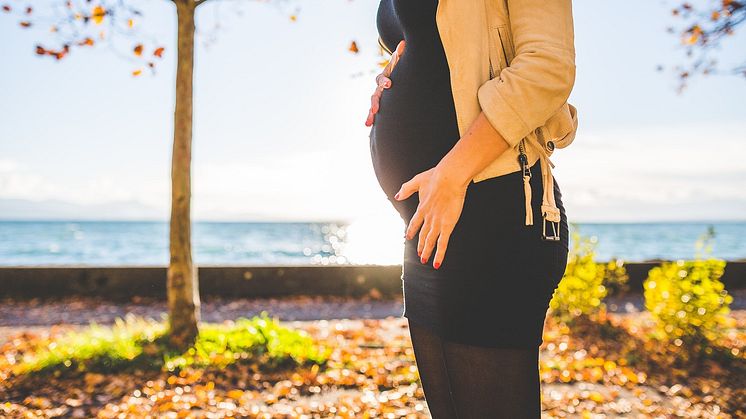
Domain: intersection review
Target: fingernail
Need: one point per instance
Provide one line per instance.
(419, 253)
(436, 265)
(423, 260)
(396, 196)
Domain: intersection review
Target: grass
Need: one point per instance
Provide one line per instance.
(135, 343)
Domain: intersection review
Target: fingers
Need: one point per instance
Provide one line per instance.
(442, 245)
(382, 82)
(426, 240)
(375, 99)
(394, 59)
(408, 188)
(433, 236)
(374, 104)
(400, 47)
(369, 120)
(414, 224)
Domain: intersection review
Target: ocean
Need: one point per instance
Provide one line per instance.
(115, 243)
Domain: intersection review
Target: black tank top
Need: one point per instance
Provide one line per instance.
(416, 123)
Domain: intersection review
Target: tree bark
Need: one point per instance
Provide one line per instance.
(182, 283)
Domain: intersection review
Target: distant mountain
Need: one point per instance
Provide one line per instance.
(50, 209)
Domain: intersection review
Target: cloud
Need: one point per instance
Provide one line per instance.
(649, 173)
(21, 188)
(686, 171)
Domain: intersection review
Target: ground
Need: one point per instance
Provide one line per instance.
(372, 372)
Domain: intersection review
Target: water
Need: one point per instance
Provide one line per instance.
(366, 242)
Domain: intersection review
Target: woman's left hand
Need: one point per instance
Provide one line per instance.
(441, 200)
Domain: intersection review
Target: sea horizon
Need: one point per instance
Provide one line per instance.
(121, 242)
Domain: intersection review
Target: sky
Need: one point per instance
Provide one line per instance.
(279, 110)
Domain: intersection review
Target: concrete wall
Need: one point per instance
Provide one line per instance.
(244, 281)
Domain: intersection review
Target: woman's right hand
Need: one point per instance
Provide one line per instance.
(383, 82)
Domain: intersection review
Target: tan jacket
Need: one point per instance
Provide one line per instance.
(514, 60)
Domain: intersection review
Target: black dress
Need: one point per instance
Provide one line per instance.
(497, 276)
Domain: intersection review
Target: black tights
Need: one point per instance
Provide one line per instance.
(473, 382)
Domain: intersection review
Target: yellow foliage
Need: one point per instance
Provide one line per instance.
(582, 289)
(687, 298)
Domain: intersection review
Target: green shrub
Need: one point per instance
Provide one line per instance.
(581, 290)
(135, 343)
(687, 298)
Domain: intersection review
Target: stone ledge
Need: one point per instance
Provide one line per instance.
(123, 282)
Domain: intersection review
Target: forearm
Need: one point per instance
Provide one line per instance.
(480, 145)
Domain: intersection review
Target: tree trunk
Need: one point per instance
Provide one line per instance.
(183, 290)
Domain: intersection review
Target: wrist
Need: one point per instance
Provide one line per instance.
(447, 170)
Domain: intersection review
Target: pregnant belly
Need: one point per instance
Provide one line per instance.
(414, 128)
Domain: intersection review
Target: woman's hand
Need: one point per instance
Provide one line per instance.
(383, 82)
(441, 199)
(442, 189)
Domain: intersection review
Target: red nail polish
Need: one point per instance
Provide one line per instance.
(396, 196)
(436, 265)
(423, 260)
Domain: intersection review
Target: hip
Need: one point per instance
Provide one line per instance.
(491, 234)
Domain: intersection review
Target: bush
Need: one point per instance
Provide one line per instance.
(616, 279)
(135, 343)
(582, 290)
(687, 298)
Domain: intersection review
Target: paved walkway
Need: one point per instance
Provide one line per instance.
(38, 314)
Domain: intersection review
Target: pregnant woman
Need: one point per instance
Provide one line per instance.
(478, 273)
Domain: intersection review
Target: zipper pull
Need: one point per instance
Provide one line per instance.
(526, 171)
(523, 160)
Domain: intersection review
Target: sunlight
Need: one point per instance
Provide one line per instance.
(375, 240)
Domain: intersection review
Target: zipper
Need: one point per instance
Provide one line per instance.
(523, 159)
(526, 177)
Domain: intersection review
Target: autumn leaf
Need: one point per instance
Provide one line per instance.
(137, 72)
(138, 50)
(353, 47)
(98, 14)
(130, 23)
(158, 52)
(87, 41)
(6, 8)
(25, 23)
(691, 40)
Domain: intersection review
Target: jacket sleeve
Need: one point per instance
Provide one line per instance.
(539, 78)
